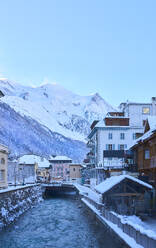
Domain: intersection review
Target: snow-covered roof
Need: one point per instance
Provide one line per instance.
(112, 181)
(59, 158)
(152, 125)
(152, 122)
(100, 124)
(3, 147)
(32, 159)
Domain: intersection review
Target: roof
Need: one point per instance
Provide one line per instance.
(115, 113)
(100, 124)
(94, 123)
(4, 148)
(56, 158)
(109, 183)
(1, 93)
(76, 165)
(32, 159)
(152, 124)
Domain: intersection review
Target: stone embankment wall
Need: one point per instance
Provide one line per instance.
(14, 202)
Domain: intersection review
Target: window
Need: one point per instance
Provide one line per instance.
(145, 110)
(2, 175)
(147, 154)
(122, 136)
(73, 169)
(2, 161)
(121, 147)
(110, 136)
(134, 136)
(110, 147)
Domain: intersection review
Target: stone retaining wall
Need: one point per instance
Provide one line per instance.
(15, 202)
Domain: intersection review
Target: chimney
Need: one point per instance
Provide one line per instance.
(153, 105)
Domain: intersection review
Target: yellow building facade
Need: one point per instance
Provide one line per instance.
(75, 172)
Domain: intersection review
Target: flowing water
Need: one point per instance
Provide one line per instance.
(56, 223)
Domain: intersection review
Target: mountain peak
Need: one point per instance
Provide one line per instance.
(96, 97)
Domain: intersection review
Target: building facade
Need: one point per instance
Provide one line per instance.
(139, 112)
(3, 166)
(75, 172)
(108, 139)
(145, 152)
(108, 142)
(59, 168)
(28, 165)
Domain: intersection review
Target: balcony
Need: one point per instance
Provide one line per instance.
(113, 153)
(90, 144)
(90, 155)
(114, 164)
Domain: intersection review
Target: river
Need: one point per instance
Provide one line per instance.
(56, 223)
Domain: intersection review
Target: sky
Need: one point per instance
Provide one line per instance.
(87, 46)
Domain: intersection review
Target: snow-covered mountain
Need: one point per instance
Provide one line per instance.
(55, 108)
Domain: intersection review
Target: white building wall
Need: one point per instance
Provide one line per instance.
(116, 141)
(136, 115)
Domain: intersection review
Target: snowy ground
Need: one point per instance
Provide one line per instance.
(10, 188)
(147, 227)
(89, 192)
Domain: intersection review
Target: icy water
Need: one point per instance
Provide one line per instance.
(56, 223)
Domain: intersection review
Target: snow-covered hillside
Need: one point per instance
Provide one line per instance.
(24, 135)
(56, 108)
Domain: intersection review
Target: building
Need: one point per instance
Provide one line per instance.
(28, 165)
(139, 112)
(59, 168)
(3, 166)
(113, 133)
(14, 173)
(108, 141)
(75, 172)
(144, 150)
(43, 167)
(125, 195)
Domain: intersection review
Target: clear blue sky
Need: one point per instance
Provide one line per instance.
(105, 46)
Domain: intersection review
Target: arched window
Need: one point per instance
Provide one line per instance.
(2, 161)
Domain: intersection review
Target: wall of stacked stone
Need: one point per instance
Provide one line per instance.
(14, 203)
(147, 241)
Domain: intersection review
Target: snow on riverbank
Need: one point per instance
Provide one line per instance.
(11, 188)
(127, 239)
(89, 192)
(145, 227)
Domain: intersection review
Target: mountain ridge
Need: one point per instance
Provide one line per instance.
(55, 108)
